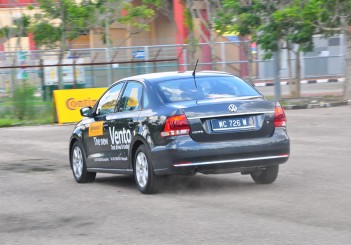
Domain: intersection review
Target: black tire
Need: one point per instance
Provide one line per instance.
(78, 164)
(145, 178)
(266, 176)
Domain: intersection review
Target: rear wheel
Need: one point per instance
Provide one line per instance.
(266, 176)
(78, 165)
(144, 175)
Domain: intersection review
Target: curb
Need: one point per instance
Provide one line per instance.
(318, 105)
(312, 81)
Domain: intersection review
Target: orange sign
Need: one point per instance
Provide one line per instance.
(96, 129)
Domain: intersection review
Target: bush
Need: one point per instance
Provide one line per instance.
(23, 101)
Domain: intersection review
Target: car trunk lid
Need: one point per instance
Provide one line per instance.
(228, 118)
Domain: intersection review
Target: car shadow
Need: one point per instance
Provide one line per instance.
(123, 181)
(205, 184)
(187, 184)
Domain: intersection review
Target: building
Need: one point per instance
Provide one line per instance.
(10, 10)
(168, 28)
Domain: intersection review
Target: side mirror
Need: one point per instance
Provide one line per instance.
(86, 111)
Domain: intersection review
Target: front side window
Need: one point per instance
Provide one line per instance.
(184, 89)
(131, 98)
(108, 101)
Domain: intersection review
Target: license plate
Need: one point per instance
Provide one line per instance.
(232, 123)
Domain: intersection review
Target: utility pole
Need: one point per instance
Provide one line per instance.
(276, 57)
(108, 50)
(347, 59)
(63, 43)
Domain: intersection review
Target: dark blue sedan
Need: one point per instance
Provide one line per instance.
(160, 124)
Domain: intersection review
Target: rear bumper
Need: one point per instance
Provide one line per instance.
(183, 155)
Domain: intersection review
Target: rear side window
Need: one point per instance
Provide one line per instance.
(207, 88)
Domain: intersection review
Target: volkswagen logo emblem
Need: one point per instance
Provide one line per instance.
(232, 108)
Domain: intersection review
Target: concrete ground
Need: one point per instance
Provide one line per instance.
(308, 204)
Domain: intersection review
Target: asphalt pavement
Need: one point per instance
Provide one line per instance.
(308, 204)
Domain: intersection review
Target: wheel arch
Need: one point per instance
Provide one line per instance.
(73, 140)
(138, 141)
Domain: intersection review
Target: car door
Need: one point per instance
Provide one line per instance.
(123, 124)
(97, 138)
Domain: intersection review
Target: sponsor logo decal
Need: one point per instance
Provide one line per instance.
(96, 129)
(120, 139)
(74, 104)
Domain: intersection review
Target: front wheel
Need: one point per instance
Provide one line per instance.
(145, 178)
(78, 165)
(266, 176)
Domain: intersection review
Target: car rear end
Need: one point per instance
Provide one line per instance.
(220, 124)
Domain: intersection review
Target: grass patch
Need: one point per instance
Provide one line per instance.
(42, 118)
(25, 109)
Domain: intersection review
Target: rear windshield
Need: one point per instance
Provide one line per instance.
(207, 88)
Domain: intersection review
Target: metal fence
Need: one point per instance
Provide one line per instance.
(99, 67)
(326, 60)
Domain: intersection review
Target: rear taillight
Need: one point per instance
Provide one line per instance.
(279, 116)
(176, 125)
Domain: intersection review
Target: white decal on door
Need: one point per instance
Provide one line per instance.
(120, 139)
(98, 142)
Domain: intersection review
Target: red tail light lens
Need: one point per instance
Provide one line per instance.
(176, 125)
(279, 116)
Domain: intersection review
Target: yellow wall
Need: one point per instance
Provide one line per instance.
(162, 31)
(80, 42)
(118, 37)
(13, 45)
(6, 15)
(165, 30)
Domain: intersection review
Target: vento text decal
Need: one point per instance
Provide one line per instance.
(120, 139)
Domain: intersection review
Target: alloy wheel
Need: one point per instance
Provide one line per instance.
(141, 168)
(77, 163)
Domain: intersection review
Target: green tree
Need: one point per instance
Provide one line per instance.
(288, 26)
(64, 20)
(18, 29)
(330, 17)
(59, 22)
(192, 40)
(271, 23)
(243, 18)
(135, 18)
(199, 19)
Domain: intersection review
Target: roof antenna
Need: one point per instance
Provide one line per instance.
(195, 71)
